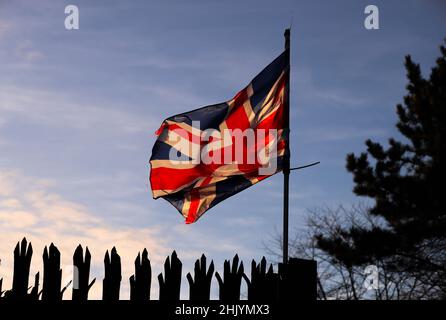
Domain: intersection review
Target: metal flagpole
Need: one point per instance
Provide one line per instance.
(286, 158)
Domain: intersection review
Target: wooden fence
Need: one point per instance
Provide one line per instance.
(296, 280)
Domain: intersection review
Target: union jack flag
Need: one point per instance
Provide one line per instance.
(179, 173)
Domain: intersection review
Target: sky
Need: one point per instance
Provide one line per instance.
(79, 108)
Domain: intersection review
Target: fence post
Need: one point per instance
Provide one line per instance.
(170, 284)
(232, 280)
(81, 274)
(298, 280)
(34, 294)
(263, 284)
(52, 275)
(112, 280)
(200, 285)
(22, 261)
(141, 280)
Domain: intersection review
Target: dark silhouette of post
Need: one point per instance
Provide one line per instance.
(295, 280)
(286, 157)
(112, 279)
(34, 294)
(22, 260)
(232, 280)
(298, 280)
(81, 274)
(52, 275)
(140, 282)
(263, 284)
(170, 284)
(200, 285)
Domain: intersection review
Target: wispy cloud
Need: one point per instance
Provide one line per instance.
(57, 110)
(29, 207)
(27, 53)
(5, 27)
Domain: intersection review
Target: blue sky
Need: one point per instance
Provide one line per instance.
(78, 111)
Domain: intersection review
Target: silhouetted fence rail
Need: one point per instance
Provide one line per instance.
(296, 280)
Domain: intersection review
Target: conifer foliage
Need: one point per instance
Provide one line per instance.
(407, 182)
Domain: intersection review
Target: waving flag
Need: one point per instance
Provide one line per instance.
(206, 155)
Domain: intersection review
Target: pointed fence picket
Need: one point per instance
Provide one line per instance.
(297, 280)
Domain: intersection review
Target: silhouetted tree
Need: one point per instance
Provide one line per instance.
(338, 278)
(406, 181)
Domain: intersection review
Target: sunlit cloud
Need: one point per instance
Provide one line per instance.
(29, 208)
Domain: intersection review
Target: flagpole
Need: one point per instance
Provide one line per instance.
(286, 159)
